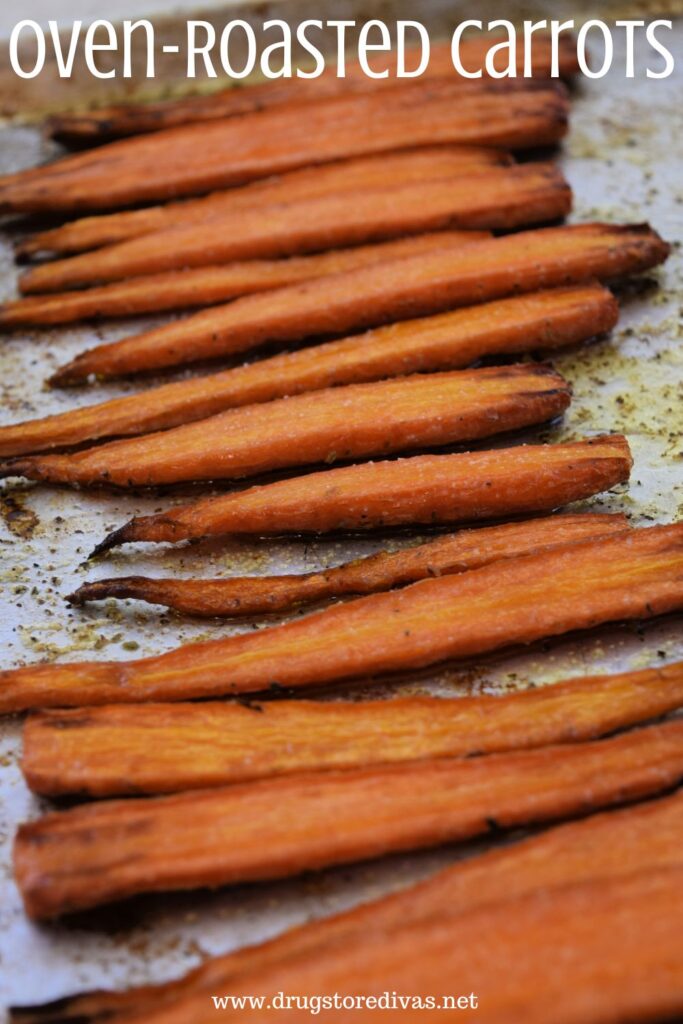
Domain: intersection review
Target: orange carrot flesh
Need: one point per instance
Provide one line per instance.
(199, 158)
(205, 286)
(615, 939)
(110, 850)
(640, 839)
(429, 163)
(133, 119)
(256, 595)
(546, 320)
(351, 422)
(425, 489)
(167, 748)
(413, 286)
(501, 198)
(513, 601)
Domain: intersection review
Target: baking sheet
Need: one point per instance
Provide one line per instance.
(623, 158)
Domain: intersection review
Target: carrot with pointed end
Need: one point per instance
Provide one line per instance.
(426, 283)
(498, 198)
(167, 748)
(513, 601)
(199, 158)
(97, 853)
(469, 549)
(351, 422)
(258, 595)
(426, 164)
(424, 489)
(640, 839)
(108, 123)
(547, 320)
(206, 286)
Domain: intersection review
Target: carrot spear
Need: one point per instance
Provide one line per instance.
(167, 748)
(258, 595)
(352, 422)
(637, 840)
(413, 286)
(108, 123)
(198, 158)
(502, 198)
(513, 601)
(110, 850)
(429, 163)
(422, 489)
(545, 320)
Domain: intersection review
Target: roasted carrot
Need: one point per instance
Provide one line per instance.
(356, 421)
(615, 939)
(256, 595)
(426, 283)
(198, 158)
(108, 123)
(100, 852)
(204, 286)
(423, 489)
(499, 198)
(544, 320)
(429, 163)
(513, 601)
(167, 748)
(619, 843)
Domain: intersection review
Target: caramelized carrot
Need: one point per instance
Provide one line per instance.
(108, 123)
(204, 286)
(423, 489)
(513, 601)
(96, 853)
(257, 595)
(167, 748)
(198, 158)
(640, 839)
(498, 198)
(400, 168)
(426, 283)
(615, 939)
(345, 423)
(547, 320)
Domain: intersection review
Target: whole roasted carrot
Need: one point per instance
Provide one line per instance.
(513, 601)
(423, 489)
(107, 123)
(204, 286)
(198, 158)
(501, 198)
(429, 163)
(101, 852)
(350, 422)
(639, 840)
(167, 748)
(256, 595)
(426, 283)
(547, 320)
